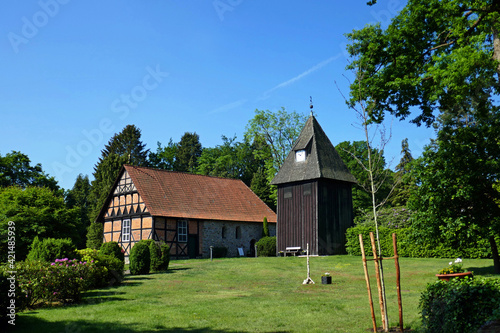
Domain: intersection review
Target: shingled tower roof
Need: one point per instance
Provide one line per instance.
(322, 160)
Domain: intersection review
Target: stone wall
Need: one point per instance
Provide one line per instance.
(225, 234)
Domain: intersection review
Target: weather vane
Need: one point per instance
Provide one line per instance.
(311, 104)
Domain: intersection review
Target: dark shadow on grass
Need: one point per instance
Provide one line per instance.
(28, 323)
(479, 271)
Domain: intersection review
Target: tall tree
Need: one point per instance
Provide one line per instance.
(16, 170)
(127, 143)
(405, 181)
(164, 157)
(456, 200)
(232, 159)
(189, 150)
(279, 130)
(355, 156)
(78, 197)
(124, 147)
(437, 55)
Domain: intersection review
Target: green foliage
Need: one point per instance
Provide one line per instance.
(125, 147)
(265, 228)
(16, 170)
(50, 249)
(273, 135)
(219, 251)
(154, 254)
(36, 211)
(232, 159)
(95, 233)
(62, 280)
(113, 249)
(355, 157)
(266, 247)
(164, 157)
(165, 256)
(188, 152)
(410, 244)
(78, 197)
(109, 268)
(460, 305)
(455, 201)
(159, 255)
(140, 258)
(390, 217)
(10, 290)
(435, 55)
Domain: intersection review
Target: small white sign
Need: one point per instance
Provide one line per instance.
(240, 251)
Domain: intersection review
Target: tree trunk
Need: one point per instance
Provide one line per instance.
(494, 252)
(496, 47)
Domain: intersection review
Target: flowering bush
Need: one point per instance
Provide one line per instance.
(61, 280)
(326, 274)
(454, 267)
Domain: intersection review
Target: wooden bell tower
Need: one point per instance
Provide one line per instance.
(314, 195)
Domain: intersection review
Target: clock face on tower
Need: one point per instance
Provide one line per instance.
(300, 155)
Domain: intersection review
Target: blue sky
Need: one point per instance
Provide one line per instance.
(76, 72)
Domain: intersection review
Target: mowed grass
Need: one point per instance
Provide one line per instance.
(246, 295)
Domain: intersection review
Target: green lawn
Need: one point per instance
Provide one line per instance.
(245, 295)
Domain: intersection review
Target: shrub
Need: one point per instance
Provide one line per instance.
(165, 256)
(410, 244)
(266, 247)
(219, 252)
(61, 280)
(265, 228)
(154, 254)
(140, 258)
(9, 292)
(94, 235)
(50, 249)
(113, 249)
(159, 255)
(110, 269)
(460, 305)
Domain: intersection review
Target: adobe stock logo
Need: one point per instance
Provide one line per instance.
(31, 26)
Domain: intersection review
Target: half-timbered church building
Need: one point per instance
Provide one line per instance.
(189, 212)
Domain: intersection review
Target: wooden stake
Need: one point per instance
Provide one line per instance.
(398, 281)
(379, 283)
(365, 268)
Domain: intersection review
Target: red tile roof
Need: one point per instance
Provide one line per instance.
(182, 195)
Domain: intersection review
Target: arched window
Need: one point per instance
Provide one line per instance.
(238, 232)
(223, 232)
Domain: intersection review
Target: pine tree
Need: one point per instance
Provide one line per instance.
(188, 152)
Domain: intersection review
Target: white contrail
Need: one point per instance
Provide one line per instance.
(229, 106)
(304, 74)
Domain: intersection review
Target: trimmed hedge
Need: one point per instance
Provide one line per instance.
(113, 249)
(266, 247)
(219, 252)
(460, 305)
(410, 246)
(50, 249)
(140, 258)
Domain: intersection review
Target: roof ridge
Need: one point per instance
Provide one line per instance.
(178, 172)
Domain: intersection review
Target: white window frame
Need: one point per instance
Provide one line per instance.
(126, 230)
(182, 231)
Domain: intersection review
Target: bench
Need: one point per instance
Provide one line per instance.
(293, 249)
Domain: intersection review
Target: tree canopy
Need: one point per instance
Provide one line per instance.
(440, 56)
(16, 170)
(36, 211)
